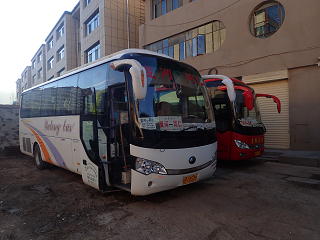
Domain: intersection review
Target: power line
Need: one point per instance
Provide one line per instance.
(240, 63)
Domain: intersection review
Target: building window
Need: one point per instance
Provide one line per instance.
(86, 2)
(93, 53)
(50, 44)
(51, 78)
(161, 7)
(92, 23)
(50, 63)
(60, 53)
(40, 73)
(60, 31)
(33, 64)
(62, 71)
(205, 39)
(39, 57)
(25, 86)
(33, 79)
(22, 89)
(266, 20)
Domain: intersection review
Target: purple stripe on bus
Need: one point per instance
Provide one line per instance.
(52, 148)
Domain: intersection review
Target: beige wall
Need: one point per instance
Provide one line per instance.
(304, 86)
(274, 53)
(295, 46)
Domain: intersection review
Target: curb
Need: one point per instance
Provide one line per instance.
(300, 158)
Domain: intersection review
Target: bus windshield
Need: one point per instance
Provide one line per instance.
(247, 116)
(176, 98)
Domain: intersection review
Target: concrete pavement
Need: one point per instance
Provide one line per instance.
(300, 158)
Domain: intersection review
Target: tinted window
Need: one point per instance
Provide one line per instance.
(25, 105)
(90, 81)
(49, 98)
(35, 102)
(67, 96)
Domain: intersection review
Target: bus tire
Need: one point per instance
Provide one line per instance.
(37, 158)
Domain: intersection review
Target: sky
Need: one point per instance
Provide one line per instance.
(25, 26)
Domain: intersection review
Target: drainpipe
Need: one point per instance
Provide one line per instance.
(128, 30)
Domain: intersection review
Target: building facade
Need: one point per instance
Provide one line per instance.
(18, 91)
(26, 78)
(93, 29)
(263, 43)
(61, 45)
(38, 66)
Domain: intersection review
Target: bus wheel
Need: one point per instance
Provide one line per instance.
(37, 157)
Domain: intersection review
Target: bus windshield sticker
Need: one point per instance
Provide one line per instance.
(147, 123)
(170, 123)
(248, 122)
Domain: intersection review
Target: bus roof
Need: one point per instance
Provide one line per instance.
(100, 61)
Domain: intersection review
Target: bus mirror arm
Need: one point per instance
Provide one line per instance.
(227, 82)
(275, 99)
(138, 73)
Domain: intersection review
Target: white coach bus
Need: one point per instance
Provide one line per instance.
(136, 120)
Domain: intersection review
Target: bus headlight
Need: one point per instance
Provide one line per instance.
(241, 145)
(214, 157)
(147, 167)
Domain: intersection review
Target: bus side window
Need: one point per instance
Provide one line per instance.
(94, 79)
(67, 92)
(35, 102)
(49, 99)
(25, 105)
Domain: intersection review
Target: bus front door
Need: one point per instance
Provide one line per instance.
(118, 137)
(90, 160)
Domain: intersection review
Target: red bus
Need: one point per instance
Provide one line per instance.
(240, 131)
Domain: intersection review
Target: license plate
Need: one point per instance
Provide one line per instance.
(189, 179)
(257, 153)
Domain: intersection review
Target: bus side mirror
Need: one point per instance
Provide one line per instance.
(230, 89)
(248, 99)
(275, 99)
(227, 82)
(138, 74)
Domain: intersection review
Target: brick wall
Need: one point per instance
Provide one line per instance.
(9, 127)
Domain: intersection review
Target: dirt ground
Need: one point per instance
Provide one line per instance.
(250, 200)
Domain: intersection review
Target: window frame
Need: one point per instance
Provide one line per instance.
(50, 63)
(39, 57)
(195, 41)
(60, 53)
(161, 7)
(50, 44)
(266, 33)
(40, 73)
(60, 31)
(87, 2)
(89, 52)
(94, 21)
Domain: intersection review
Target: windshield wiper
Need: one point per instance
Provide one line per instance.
(160, 143)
